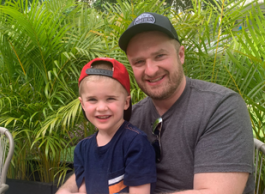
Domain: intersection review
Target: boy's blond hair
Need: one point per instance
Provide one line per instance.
(99, 65)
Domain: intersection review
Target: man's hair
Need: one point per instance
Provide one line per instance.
(177, 45)
(99, 65)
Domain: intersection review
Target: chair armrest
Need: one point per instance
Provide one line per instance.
(3, 188)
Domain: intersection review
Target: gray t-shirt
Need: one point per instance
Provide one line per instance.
(208, 129)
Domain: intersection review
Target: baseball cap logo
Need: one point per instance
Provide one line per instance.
(144, 18)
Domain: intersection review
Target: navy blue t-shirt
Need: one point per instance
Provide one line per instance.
(127, 160)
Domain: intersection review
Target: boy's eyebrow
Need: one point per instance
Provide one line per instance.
(112, 96)
(106, 96)
(87, 97)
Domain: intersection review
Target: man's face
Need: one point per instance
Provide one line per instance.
(156, 63)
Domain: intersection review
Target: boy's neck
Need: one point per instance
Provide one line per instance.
(104, 137)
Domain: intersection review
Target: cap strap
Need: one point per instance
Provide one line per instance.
(104, 72)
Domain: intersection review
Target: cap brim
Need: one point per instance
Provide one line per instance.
(127, 113)
(132, 31)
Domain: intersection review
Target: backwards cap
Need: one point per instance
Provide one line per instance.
(147, 22)
(118, 72)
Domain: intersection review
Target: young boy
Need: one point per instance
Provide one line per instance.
(118, 158)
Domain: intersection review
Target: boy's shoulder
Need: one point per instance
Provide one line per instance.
(132, 134)
(131, 129)
(87, 140)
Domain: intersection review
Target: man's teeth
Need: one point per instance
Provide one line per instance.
(155, 80)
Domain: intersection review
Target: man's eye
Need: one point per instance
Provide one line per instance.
(137, 63)
(160, 56)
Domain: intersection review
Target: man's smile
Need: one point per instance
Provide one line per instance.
(156, 79)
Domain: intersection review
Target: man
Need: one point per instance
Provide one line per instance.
(205, 144)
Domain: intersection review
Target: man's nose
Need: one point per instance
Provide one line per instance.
(150, 68)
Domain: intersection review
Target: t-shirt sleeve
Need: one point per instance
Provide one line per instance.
(227, 143)
(79, 164)
(140, 167)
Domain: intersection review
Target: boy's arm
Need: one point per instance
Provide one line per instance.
(69, 187)
(142, 189)
(82, 188)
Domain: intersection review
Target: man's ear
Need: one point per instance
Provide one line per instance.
(127, 102)
(182, 54)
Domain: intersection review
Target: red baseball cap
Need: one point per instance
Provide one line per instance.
(118, 72)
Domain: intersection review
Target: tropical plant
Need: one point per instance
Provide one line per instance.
(42, 50)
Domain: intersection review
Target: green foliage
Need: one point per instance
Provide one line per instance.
(43, 49)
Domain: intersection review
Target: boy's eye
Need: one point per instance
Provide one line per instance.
(111, 98)
(91, 100)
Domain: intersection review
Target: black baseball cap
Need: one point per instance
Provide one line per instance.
(147, 22)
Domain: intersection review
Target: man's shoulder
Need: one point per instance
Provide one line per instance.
(141, 110)
(141, 105)
(209, 87)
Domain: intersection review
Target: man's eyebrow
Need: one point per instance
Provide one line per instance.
(159, 52)
(137, 59)
(152, 54)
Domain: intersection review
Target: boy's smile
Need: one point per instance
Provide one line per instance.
(104, 101)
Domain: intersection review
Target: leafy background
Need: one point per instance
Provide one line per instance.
(44, 45)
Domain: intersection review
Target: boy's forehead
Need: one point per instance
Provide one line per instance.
(107, 67)
(95, 79)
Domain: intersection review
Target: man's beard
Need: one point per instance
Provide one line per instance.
(168, 90)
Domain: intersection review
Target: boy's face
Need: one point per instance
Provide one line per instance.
(104, 100)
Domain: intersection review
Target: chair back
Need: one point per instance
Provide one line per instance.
(6, 153)
(259, 153)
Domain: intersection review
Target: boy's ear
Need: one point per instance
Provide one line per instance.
(81, 102)
(127, 102)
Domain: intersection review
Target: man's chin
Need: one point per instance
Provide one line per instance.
(156, 95)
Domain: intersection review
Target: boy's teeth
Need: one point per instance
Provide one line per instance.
(103, 117)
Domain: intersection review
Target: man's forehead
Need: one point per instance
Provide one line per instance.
(143, 43)
(149, 36)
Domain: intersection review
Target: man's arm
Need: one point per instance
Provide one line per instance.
(69, 186)
(142, 189)
(218, 183)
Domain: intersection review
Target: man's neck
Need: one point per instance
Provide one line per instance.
(162, 106)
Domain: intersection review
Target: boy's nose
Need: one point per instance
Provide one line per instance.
(102, 106)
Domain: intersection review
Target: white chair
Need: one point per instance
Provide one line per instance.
(6, 153)
(258, 162)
